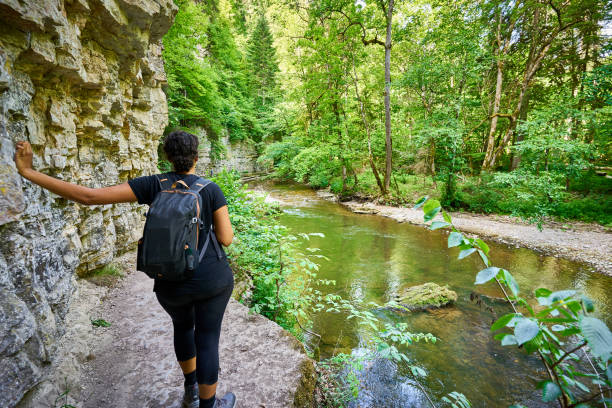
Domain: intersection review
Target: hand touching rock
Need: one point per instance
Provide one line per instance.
(23, 157)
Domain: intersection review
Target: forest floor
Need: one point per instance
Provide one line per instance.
(132, 362)
(576, 241)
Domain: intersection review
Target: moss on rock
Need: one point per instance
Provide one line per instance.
(428, 295)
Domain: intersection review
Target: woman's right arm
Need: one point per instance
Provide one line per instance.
(121, 193)
(223, 226)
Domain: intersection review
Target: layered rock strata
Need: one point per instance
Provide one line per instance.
(82, 81)
(226, 155)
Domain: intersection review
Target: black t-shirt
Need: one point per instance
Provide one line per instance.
(212, 273)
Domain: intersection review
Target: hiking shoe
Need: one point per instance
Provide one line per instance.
(191, 399)
(228, 401)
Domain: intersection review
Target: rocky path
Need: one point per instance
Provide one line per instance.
(587, 243)
(132, 363)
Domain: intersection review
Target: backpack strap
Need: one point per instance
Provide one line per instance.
(199, 184)
(164, 181)
(211, 237)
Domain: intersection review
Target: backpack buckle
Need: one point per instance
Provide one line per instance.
(194, 220)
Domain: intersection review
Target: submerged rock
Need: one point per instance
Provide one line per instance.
(426, 296)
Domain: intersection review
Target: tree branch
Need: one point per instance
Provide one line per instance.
(567, 353)
(591, 398)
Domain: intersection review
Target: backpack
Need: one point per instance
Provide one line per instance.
(168, 249)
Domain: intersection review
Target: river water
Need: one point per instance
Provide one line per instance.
(372, 258)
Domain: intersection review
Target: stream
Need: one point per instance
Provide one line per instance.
(371, 258)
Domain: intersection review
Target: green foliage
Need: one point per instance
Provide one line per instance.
(107, 276)
(100, 323)
(535, 197)
(271, 256)
(558, 330)
(285, 288)
(457, 400)
(207, 84)
(107, 270)
(62, 398)
(263, 65)
(338, 379)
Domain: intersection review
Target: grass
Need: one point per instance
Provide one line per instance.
(108, 275)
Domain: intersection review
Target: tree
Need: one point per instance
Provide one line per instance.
(263, 65)
(540, 24)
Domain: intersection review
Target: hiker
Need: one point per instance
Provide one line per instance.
(196, 305)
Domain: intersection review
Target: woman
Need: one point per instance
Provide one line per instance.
(197, 303)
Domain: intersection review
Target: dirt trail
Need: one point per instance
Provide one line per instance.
(587, 243)
(133, 362)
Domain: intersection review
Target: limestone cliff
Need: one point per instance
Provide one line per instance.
(82, 81)
(239, 156)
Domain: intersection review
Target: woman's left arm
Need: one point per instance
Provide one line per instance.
(121, 193)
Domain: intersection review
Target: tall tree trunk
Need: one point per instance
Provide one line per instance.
(538, 51)
(516, 157)
(501, 53)
(366, 126)
(388, 144)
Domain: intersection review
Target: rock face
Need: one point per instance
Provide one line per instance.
(81, 80)
(428, 295)
(238, 156)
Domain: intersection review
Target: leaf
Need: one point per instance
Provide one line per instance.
(550, 391)
(466, 252)
(483, 257)
(509, 340)
(542, 292)
(447, 217)
(421, 201)
(570, 331)
(486, 275)
(503, 321)
(100, 323)
(430, 215)
(438, 224)
(431, 205)
(561, 294)
(544, 301)
(511, 282)
(454, 239)
(598, 336)
(482, 245)
(588, 304)
(417, 371)
(526, 330)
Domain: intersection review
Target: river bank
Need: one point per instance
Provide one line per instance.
(132, 362)
(586, 243)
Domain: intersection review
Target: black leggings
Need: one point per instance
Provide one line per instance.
(205, 315)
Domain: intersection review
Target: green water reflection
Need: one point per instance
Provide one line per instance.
(371, 258)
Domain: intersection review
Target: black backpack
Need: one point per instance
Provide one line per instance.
(168, 249)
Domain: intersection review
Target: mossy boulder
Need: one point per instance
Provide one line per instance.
(426, 296)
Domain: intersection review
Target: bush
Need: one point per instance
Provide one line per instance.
(265, 249)
(532, 197)
(595, 208)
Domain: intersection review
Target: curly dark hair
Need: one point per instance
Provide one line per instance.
(181, 150)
